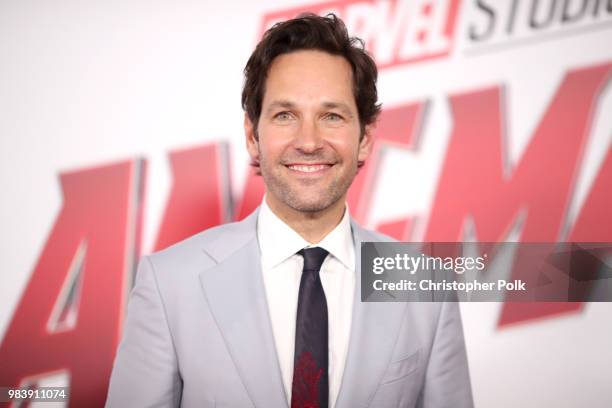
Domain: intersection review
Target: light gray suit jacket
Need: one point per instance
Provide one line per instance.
(198, 334)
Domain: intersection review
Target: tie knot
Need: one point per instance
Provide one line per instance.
(313, 258)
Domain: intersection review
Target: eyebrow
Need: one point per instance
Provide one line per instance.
(338, 105)
(283, 103)
(286, 104)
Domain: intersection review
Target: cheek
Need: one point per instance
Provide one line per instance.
(345, 140)
(346, 149)
(273, 149)
(273, 141)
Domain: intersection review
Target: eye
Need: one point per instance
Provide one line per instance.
(283, 116)
(333, 117)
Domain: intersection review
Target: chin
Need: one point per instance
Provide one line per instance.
(310, 207)
(315, 205)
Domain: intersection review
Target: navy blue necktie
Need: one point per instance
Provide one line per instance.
(310, 388)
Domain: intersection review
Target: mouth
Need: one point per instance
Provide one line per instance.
(309, 169)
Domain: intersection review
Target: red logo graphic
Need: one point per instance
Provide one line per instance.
(395, 31)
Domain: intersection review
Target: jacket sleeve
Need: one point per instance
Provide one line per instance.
(447, 380)
(145, 372)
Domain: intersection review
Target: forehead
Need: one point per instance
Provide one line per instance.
(309, 76)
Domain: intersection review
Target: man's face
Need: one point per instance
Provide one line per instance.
(308, 142)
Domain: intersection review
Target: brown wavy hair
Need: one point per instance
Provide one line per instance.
(311, 32)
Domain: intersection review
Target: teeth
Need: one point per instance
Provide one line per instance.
(309, 169)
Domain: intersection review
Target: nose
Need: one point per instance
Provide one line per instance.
(309, 138)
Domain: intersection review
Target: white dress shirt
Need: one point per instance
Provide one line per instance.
(282, 270)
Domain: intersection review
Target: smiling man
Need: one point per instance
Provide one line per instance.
(266, 312)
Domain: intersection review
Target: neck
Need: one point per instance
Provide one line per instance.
(312, 226)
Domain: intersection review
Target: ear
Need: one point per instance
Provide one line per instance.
(365, 145)
(252, 143)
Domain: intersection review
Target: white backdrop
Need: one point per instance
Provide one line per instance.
(84, 83)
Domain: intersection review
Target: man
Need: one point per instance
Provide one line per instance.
(266, 312)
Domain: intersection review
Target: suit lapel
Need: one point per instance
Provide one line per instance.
(236, 295)
(374, 330)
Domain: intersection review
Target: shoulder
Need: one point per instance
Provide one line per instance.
(204, 249)
(195, 242)
(362, 234)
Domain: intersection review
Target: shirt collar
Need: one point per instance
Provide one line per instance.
(278, 241)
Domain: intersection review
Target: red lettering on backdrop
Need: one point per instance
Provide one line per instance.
(199, 198)
(473, 182)
(100, 214)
